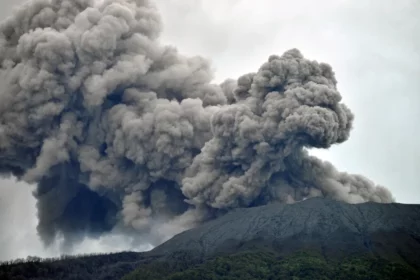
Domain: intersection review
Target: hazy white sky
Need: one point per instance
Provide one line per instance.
(373, 46)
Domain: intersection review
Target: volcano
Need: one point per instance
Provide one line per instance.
(332, 228)
(317, 238)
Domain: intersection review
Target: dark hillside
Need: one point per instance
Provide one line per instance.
(331, 228)
(313, 239)
(253, 265)
(95, 267)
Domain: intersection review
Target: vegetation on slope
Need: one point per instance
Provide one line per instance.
(266, 265)
(85, 267)
(247, 265)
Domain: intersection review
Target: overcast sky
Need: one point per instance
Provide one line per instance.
(373, 46)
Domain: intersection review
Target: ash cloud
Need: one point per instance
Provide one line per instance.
(122, 133)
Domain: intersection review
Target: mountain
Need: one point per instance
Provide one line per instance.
(314, 239)
(333, 228)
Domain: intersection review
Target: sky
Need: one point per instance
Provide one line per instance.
(373, 47)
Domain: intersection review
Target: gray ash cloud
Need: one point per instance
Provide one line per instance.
(121, 132)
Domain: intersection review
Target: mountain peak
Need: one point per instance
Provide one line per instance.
(328, 226)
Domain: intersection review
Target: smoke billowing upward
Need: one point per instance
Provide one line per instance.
(120, 132)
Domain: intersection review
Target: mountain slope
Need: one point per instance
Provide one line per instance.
(255, 265)
(330, 227)
(84, 267)
(314, 239)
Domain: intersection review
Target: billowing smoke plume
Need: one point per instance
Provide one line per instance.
(121, 132)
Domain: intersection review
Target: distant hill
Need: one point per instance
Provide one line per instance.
(314, 239)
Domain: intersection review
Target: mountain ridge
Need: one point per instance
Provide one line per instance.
(354, 228)
(314, 239)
